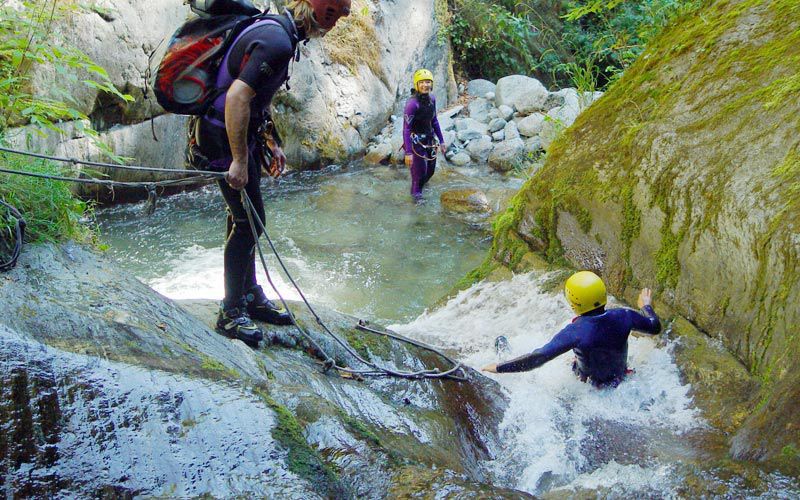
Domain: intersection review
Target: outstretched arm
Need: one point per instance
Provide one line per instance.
(564, 340)
(646, 321)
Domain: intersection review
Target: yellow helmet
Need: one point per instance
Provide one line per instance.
(420, 75)
(585, 291)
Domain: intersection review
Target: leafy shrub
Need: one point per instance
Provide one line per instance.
(592, 41)
(48, 206)
(27, 40)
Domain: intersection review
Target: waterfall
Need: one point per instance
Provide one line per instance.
(560, 433)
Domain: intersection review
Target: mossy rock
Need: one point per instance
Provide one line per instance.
(465, 201)
(684, 177)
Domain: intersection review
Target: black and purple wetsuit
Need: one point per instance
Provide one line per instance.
(259, 57)
(419, 125)
(600, 342)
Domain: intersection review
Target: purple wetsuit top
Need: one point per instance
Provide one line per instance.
(600, 343)
(410, 122)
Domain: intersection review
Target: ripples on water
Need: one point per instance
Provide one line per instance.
(351, 237)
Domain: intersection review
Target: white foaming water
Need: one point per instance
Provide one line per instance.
(197, 274)
(552, 416)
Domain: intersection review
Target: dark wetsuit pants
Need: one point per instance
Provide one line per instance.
(240, 255)
(423, 166)
(240, 245)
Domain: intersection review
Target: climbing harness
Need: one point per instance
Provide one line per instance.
(454, 373)
(19, 235)
(419, 140)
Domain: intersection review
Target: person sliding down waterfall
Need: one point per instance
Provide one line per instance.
(599, 337)
(255, 67)
(419, 125)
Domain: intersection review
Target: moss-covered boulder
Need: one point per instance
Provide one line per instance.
(465, 201)
(685, 177)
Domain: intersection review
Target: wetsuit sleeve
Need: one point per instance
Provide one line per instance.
(564, 340)
(408, 116)
(435, 123)
(265, 57)
(645, 321)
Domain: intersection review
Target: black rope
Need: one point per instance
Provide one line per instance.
(19, 234)
(105, 182)
(328, 362)
(75, 161)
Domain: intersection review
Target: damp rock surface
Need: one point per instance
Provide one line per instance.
(109, 389)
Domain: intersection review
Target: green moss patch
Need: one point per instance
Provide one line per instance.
(302, 459)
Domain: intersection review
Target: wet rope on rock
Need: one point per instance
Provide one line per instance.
(19, 235)
(454, 373)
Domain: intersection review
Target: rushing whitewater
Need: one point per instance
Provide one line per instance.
(559, 432)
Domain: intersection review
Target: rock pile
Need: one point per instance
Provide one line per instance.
(502, 124)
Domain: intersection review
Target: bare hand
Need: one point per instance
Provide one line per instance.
(280, 157)
(443, 147)
(407, 161)
(237, 175)
(490, 368)
(645, 298)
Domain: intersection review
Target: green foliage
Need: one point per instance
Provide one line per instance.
(489, 39)
(49, 208)
(583, 43)
(27, 40)
(608, 35)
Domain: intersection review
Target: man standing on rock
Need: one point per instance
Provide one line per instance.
(598, 337)
(254, 68)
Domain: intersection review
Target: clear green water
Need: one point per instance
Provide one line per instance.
(350, 236)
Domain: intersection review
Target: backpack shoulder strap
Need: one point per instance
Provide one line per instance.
(224, 77)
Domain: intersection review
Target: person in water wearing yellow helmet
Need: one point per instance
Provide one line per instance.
(599, 337)
(419, 126)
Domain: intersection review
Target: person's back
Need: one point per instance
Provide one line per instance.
(602, 350)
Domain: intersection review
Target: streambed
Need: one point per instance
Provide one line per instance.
(354, 241)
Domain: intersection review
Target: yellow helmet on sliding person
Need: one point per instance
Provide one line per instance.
(421, 75)
(585, 291)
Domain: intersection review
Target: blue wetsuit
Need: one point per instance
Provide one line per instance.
(600, 342)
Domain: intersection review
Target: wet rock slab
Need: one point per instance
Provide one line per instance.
(109, 389)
